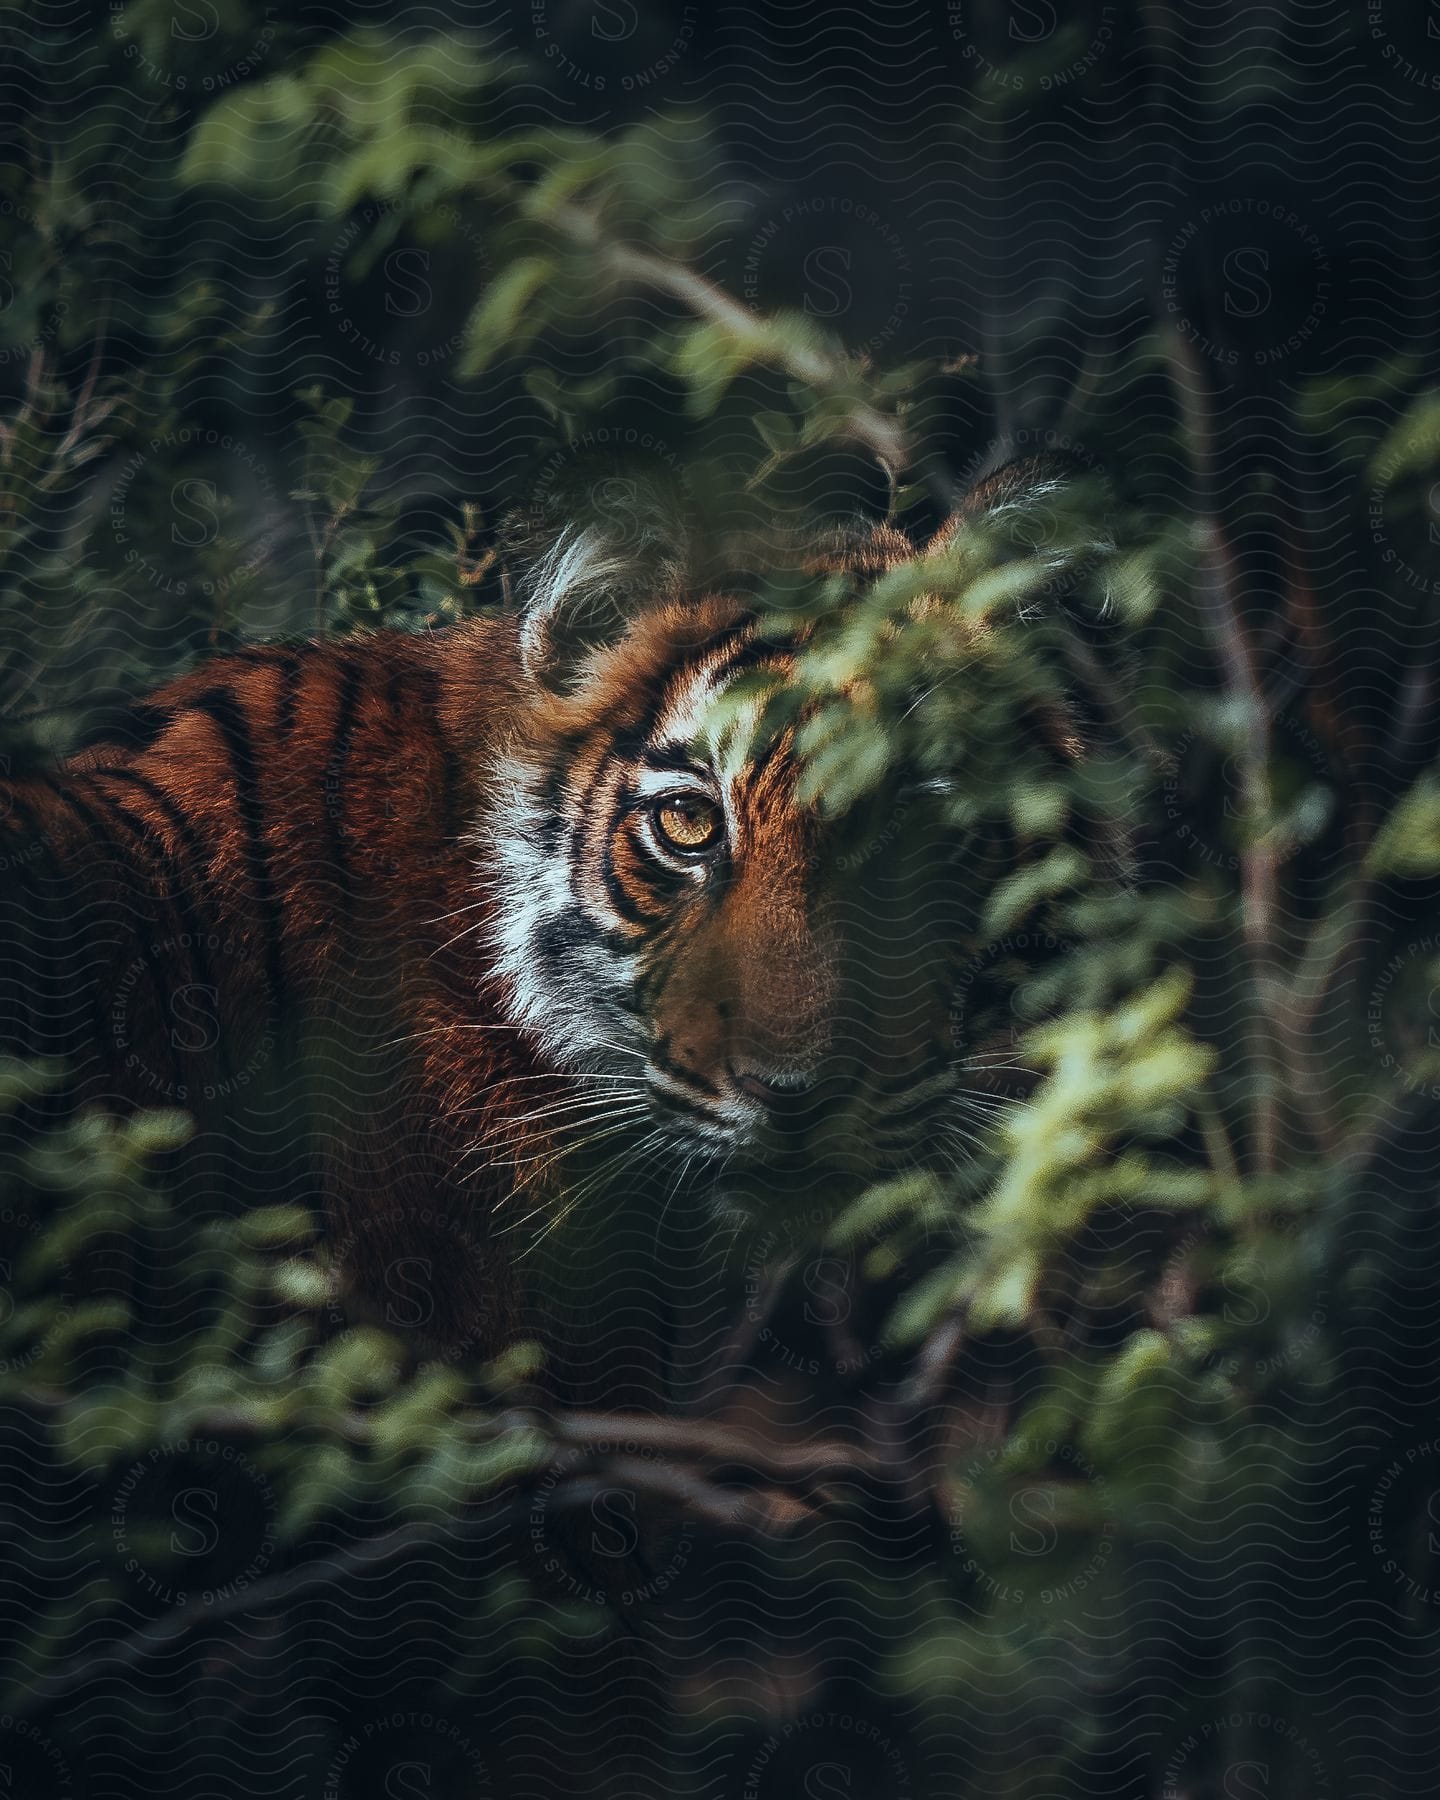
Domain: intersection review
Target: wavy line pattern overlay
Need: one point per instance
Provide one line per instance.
(719, 851)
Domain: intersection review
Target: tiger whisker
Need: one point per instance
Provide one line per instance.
(472, 906)
(571, 1075)
(558, 1081)
(509, 1148)
(433, 1031)
(561, 1081)
(610, 1123)
(598, 1095)
(957, 1133)
(676, 1188)
(981, 1120)
(464, 931)
(416, 1037)
(579, 1103)
(582, 1193)
(529, 1188)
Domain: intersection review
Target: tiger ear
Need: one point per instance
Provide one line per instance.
(1053, 509)
(576, 599)
(625, 547)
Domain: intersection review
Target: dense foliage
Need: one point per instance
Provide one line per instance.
(1104, 1464)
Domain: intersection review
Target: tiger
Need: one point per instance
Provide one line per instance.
(462, 910)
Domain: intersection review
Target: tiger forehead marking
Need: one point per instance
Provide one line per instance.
(588, 918)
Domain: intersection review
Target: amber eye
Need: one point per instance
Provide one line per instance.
(689, 823)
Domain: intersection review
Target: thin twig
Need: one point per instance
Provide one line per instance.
(1217, 587)
(599, 1433)
(818, 369)
(614, 1442)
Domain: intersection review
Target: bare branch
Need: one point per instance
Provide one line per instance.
(818, 369)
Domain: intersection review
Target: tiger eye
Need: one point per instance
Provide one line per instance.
(689, 822)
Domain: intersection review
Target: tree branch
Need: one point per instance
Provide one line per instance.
(821, 370)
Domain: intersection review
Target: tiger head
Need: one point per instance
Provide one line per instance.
(673, 920)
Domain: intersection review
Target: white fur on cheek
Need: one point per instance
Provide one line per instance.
(571, 1010)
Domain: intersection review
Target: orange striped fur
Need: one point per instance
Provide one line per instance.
(409, 899)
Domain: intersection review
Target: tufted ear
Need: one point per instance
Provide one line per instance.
(1052, 509)
(622, 552)
(574, 600)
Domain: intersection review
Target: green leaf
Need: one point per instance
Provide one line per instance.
(1016, 897)
(777, 431)
(1408, 843)
(509, 315)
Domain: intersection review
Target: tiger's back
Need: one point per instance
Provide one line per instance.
(249, 901)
